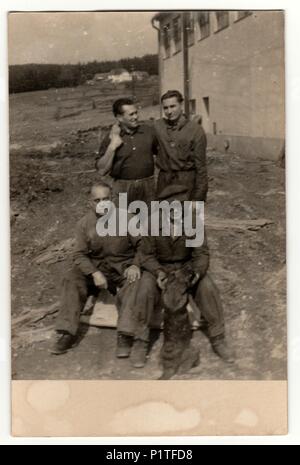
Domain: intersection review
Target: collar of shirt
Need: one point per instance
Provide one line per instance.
(173, 228)
(125, 131)
(182, 120)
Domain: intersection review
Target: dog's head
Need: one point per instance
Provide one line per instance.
(175, 294)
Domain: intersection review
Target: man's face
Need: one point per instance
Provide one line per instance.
(129, 117)
(172, 108)
(100, 198)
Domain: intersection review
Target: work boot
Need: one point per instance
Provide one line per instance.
(124, 345)
(63, 344)
(139, 354)
(221, 348)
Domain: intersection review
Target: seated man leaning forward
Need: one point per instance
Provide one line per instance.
(127, 154)
(103, 262)
(164, 254)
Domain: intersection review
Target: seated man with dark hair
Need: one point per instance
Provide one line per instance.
(163, 255)
(103, 262)
(127, 154)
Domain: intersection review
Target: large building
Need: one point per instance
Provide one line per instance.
(230, 66)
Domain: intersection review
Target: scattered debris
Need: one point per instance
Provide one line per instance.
(31, 336)
(271, 192)
(24, 329)
(33, 315)
(13, 215)
(281, 158)
(84, 171)
(242, 225)
(56, 253)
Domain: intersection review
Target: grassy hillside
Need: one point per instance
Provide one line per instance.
(43, 119)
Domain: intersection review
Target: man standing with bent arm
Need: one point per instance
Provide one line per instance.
(127, 154)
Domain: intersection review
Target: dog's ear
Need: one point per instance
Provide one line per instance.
(189, 276)
(172, 278)
(192, 276)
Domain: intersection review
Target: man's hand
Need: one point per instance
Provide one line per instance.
(161, 279)
(115, 138)
(132, 273)
(100, 280)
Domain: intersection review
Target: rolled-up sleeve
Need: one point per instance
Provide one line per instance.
(102, 149)
(200, 258)
(201, 181)
(81, 251)
(136, 242)
(148, 258)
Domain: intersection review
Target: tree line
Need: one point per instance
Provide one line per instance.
(31, 77)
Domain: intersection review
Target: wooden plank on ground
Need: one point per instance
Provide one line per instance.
(103, 316)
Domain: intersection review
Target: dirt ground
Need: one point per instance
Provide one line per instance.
(48, 196)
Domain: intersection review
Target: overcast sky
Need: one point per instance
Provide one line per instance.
(74, 37)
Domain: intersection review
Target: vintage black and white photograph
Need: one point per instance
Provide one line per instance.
(115, 117)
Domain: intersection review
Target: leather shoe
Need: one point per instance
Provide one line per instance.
(221, 349)
(124, 345)
(139, 354)
(63, 344)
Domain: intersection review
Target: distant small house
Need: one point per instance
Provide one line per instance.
(119, 75)
(140, 75)
(100, 76)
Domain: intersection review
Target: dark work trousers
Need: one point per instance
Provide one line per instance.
(77, 287)
(185, 178)
(139, 305)
(207, 297)
(145, 311)
(136, 189)
(142, 310)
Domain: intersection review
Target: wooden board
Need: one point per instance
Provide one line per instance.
(103, 316)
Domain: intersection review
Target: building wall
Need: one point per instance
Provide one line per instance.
(240, 69)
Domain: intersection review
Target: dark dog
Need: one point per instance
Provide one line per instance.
(177, 354)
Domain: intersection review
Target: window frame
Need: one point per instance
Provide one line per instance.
(191, 30)
(217, 20)
(193, 106)
(207, 24)
(206, 104)
(248, 13)
(166, 33)
(177, 43)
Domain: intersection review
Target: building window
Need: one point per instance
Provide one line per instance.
(166, 30)
(242, 14)
(204, 24)
(193, 106)
(177, 34)
(190, 25)
(206, 105)
(222, 20)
